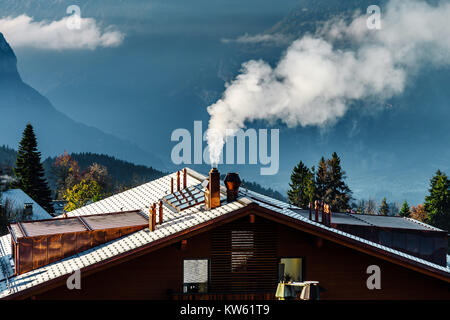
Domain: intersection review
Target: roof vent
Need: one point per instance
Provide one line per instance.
(232, 183)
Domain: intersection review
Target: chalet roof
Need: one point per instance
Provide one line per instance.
(374, 220)
(17, 199)
(77, 224)
(175, 224)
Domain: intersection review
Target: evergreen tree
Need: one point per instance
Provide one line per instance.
(330, 186)
(405, 211)
(322, 180)
(437, 203)
(301, 190)
(29, 171)
(338, 194)
(384, 207)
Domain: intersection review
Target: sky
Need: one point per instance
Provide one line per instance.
(141, 69)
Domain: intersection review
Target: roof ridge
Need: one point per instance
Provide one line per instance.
(422, 223)
(380, 246)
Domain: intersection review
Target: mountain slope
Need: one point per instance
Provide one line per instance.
(123, 173)
(21, 104)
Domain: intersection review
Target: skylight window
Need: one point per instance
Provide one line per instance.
(185, 198)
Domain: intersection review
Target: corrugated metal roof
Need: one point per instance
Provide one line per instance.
(141, 198)
(74, 224)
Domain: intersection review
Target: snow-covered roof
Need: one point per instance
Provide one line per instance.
(142, 197)
(17, 199)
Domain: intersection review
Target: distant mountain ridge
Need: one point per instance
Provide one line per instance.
(21, 104)
(123, 173)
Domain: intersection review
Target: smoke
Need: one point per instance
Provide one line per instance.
(315, 82)
(23, 31)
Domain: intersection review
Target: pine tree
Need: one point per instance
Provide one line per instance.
(29, 171)
(437, 203)
(405, 211)
(384, 207)
(338, 194)
(301, 190)
(322, 179)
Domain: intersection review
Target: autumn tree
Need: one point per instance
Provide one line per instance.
(371, 207)
(30, 172)
(81, 194)
(405, 211)
(419, 213)
(437, 203)
(384, 207)
(99, 174)
(66, 173)
(302, 188)
(360, 206)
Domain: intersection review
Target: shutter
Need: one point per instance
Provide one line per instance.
(244, 257)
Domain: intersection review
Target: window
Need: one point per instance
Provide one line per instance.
(290, 269)
(195, 276)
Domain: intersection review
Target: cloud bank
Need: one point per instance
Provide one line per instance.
(315, 83)
(22, 31)
(277, 39)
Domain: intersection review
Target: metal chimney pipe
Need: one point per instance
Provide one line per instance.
(316, 208)
(323, 212)
(171, 185)
(178, 180)
(160, 212)
(184, 178)
(212, 194)
(152, 217)
(310, 211)
(232, 183)
(329, 216)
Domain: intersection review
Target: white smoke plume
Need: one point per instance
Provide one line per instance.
(315, 83)
(23, 31)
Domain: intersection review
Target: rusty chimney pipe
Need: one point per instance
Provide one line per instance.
(171, 185)
(232, 183)
(160, 212)
(212, 194)
(178, 180)
(184, 178)
(324, 213)
(152, 217)
(327, 215)
(316, 207)
(310, 211)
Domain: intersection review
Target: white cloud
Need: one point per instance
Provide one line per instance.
(23, 31)
(277, 39)
(315, 83)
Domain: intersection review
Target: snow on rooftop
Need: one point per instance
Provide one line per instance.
(17, 198)
(141, 198)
